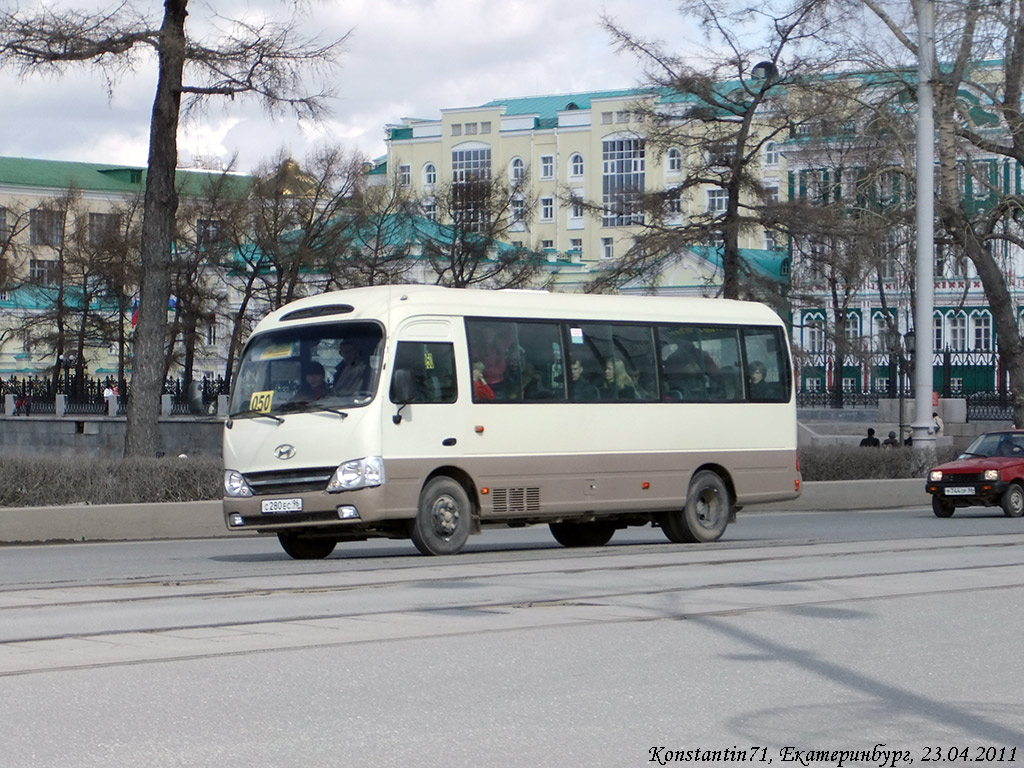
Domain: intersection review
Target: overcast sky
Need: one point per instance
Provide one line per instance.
(405, 58)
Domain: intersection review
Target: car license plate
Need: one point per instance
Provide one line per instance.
(275, 506)
(960, 490)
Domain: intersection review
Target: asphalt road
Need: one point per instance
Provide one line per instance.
(809, 631)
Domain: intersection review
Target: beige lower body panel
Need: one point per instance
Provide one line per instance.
(542, 488)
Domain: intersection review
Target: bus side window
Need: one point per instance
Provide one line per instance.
(424, 372)
(767, 369)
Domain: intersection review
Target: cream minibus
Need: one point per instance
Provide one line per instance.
(423, 412)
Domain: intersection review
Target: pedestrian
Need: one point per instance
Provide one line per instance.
(937, 423)
(891, 441)
(870, 441)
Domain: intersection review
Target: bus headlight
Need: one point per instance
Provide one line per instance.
(234, 484)
(358, 473)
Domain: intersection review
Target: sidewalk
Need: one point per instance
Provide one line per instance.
(203, 519)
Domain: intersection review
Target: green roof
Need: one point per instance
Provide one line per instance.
(547, 107)
(93, 177)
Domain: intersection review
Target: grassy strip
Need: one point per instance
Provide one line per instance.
(40, 482)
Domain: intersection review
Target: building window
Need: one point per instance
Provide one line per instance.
(404, 175)
(103, 228)
(518, 210)
(471, 173)
(938, 325)
(485, 126)
(576, 165)
(675, 160)
(469, 129)
(3, 224)
(622, 182)
(718, 200)
(606, 118)
(982, 333)
(576, 246)
(576, 208)
(209, 231)
(211, 333)
(46, 227)
(607, 248)
(547, 245)
(547, 166)
(958, 332)
(42, 271)
(456, 129)
(622, 116)
(430, 175)
(674, 203)
(430, 210)
(518, 171)
(771, 154)
(771, 240)
(547, 208)
(815, 337)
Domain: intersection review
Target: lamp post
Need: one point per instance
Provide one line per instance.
(910, 344)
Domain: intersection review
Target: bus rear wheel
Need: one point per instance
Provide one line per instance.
(305, 547)
(592, 534)
(705, 515)
(444, 518)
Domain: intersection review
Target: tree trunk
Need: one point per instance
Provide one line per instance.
(161, 205)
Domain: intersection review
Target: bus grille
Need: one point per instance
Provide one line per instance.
(515, 500)
(289, 481)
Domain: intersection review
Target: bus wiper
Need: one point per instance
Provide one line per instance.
(330, 409)
(254, 412)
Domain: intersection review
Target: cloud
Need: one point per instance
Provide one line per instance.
(404, 58)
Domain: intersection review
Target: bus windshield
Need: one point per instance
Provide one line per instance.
(308, 368)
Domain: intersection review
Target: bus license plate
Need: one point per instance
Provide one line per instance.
(275, 506)
(960, 490)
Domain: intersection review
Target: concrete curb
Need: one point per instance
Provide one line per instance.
(203, 519)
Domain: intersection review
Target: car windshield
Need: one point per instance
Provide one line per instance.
(996, 444)
(308, 368)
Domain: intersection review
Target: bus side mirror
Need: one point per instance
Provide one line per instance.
(403, 391)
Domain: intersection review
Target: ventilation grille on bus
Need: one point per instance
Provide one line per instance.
(515, 500)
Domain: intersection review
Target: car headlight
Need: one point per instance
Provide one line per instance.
(935, 475)
(234, 484)
(358, 473)
(991, 474)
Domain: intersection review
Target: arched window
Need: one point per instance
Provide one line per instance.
(517, 170)
(429, 175)
(576, 164)
(675, 160)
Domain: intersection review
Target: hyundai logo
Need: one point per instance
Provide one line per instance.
(284, 452)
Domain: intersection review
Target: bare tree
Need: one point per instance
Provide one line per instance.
(380, 234)
(718, 110)
(467, 244)
(979, 125)
(268, 61)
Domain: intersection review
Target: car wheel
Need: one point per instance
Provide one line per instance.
(1013, 501)
(705, 515)
(941, 508)
(305, 547)
(593, 534)
(445, 516)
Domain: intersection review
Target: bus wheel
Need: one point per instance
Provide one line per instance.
(593, 534)
(304, 547)
(442, 524)
(942, 508)
(705, 515)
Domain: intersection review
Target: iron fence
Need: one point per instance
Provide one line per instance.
(36, 394)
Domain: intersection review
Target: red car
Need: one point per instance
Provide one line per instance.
(989, 472)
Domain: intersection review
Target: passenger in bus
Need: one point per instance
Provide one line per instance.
(493, 354)
(625, 386)
(581, 388)
(481, 389)
(353, 373)
(314, 385)
(758, 386)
